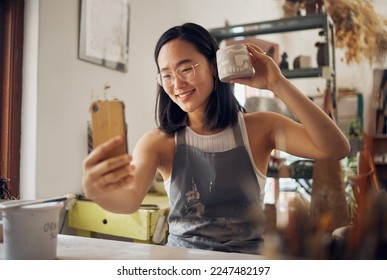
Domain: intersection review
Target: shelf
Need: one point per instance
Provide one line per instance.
(313, 21)
(324, 72)
(379, 144)
(380, 136)
(379, 150)
(326, 69)
(299, 23)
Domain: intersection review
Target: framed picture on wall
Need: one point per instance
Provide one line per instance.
(104, 33)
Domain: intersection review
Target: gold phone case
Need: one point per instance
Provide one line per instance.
(108, 121)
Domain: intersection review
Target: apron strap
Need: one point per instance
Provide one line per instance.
(238, 135)
(180, 136)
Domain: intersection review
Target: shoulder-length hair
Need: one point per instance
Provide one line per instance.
(222, 109)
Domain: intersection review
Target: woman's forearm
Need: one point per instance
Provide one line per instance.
(122, 201)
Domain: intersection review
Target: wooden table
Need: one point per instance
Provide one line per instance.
(72, 247)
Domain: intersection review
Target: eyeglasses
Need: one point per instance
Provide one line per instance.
(185, 72)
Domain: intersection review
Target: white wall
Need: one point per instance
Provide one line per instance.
(29, 100)
(58, 85)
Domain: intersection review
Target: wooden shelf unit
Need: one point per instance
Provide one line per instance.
(379, 151)
(313, 21)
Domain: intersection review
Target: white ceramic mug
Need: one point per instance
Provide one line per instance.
(30, 232)
(233, 62)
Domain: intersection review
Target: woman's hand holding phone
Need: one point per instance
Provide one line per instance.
(107, 167)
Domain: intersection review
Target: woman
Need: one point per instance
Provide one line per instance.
(212, 156)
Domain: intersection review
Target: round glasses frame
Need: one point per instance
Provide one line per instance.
(184, 73)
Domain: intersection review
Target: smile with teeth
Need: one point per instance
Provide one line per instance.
(183, 95)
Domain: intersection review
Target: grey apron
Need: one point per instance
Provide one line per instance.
(215, 199)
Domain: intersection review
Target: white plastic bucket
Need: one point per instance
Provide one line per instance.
(30, 232)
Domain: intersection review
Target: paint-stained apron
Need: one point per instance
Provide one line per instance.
(215, 199)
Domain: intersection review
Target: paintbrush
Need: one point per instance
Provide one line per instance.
(18, 203)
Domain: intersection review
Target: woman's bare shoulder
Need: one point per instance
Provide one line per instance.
(156, 137)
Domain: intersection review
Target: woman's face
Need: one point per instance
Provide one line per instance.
(190, 95)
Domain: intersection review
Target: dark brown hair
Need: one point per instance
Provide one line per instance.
(222, 109)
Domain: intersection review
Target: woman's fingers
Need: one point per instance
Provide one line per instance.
(117, 165)
(117, 175)
(259, 59)
(107, 175)
(102, 186)
(255, 50)
(100, 152)
(97, 165)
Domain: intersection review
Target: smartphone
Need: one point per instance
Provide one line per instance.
(108, 121)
